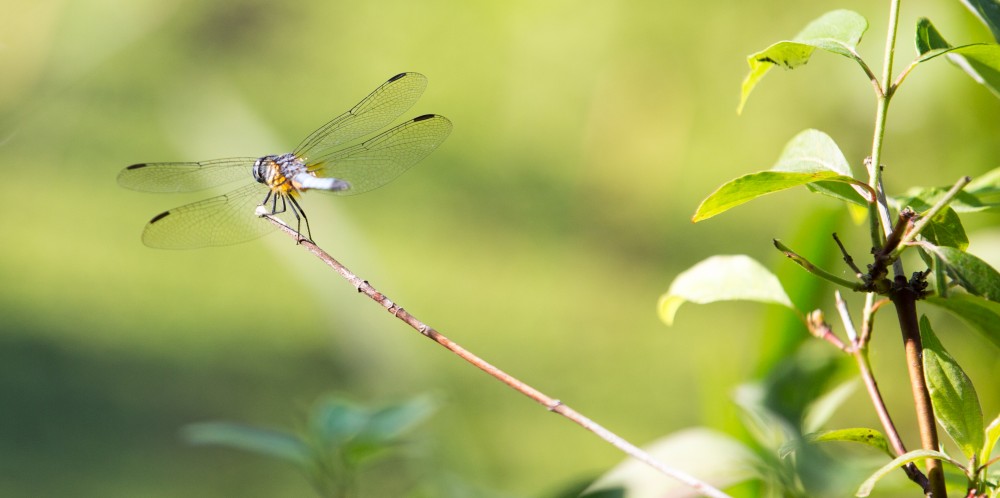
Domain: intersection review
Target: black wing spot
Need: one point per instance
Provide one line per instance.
(137, 166)
(159, 217)
(396, 77)
(424, 117)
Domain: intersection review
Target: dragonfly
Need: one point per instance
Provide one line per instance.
(325, 160)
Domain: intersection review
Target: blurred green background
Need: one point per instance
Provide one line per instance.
(539, 235)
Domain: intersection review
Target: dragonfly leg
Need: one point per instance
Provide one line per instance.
(300, 216)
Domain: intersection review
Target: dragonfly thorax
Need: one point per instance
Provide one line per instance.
(277, 172)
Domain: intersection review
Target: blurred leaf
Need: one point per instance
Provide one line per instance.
(768, 428)
(956, 405)
(974, 274)
(714, 457)
(928, 37)
(986, 187)
(980, 314)
(912, 456)
(243, 437)
(810, 158)
(863, 435)
(391, 422)
(992, 435)
(722, 278)
(988, 11)
(384, 428)
(838, 32)
(819, 412)
(335, 421)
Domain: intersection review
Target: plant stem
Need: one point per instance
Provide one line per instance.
(553, 405)
(905, 301)
(815, 270)
(902, 297)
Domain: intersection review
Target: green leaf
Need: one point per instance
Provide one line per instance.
(974, 274)
(992, 436)
(912, 456)
(981, 62)
(956, 405)
(261, 441)
(810, 158)
(988, 11)
(392, 422)
(722, 278)
(838, 32)
(945, 229)
(335, 421)
(980, 314)
(870, 437)
(928, 37)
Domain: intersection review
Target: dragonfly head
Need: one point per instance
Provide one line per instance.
(263, 168)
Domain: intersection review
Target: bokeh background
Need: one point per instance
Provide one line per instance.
(540, 235)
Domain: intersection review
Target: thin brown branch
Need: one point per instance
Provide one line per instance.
(551, 404)
(905, 300)
(847, 257)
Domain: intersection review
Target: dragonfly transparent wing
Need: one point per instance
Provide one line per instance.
(185, 177)
(375, 112)
(218, 221)
(379, 160)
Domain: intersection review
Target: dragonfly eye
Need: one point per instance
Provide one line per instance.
(260, 169)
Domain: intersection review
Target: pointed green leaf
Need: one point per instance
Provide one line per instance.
(393, 421)
(335, 421)
(870, 437)
(722, 278)
(838, 32)
(945, 229)
(992, 437)
(956, 405)
(980, 314)
(974, 274)
(810, 158)
(243, 437)
(928, 37)
(988, 11)
(912, 456)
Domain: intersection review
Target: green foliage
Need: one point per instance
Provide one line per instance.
(956, 404)
(811, 158)
(981, 314)
(908, 457)
(722, 278)
(837, 32)
(863, 435)
(340, 438)
(929, 219)
(972, 273)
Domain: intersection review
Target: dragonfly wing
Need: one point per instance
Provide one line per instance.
(185, 177)
(218, 221)
(378, 161)
(377, 110)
